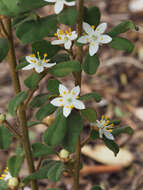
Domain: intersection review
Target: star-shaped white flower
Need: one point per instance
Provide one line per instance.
(6, 175)
(59, 4)
(37, 63)
(65, 38)
(68, 100)
(104, 128)
(94, 37)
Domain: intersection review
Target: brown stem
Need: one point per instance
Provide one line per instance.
(22, 115)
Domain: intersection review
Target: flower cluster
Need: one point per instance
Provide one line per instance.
(59, 4)
(6, 175)
(68, 100)
(94, 37)
(37, 63)
(104, 127)
(65, 38)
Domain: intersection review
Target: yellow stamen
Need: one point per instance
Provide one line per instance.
(64, 92)
(110, 130)
(45, 55)
(93, 27)
(73, 93)
(112, 125)
(32, 55)
(70, 30)
(107, 121)
(62, 105)
(33, 61)
(71, 106)
(102, 116)
(60, 32)
(87, 39)
(101, 38)
(66, 31)
(59, 37)
(55, 34)
(77, 97)
(106, 117)
(61, 100)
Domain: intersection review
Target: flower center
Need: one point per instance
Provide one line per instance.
(94, 37)
(69, 100)
(66, 38)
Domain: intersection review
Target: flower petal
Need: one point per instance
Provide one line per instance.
(104, 39)
(78, 104)
(101, 28)
(59, 5)
(57, 102)
(83, 39)
(66, 111)
(28, 67)
(48, 65)
(63, 90)
(108, 135)
(73, 36)
(87, 28)
(75, 91)
(31, 60)
(50, 1)
(93, 48)
(72, 3)
(68, 44)
(57, 42)
(39, 69)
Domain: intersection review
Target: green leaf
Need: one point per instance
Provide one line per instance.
(33, 80)
(96, 187)
(53, 86)
(91, 64)
(55, 134)
(4, 47)
(14, 7)
(60, 58)
(94, 135)
(119, 43)
(32, 31)
(3, 185)
(111, 145)
(21, 65)
(74, 128)
(52, 170)
(44, 111)
(55, 171)
(33, 123)
(64, 68)
(45, 46)
(92, 95)
(40, 150)
(117, 131)
(90, 114)
(68, 16)
(14, 164)
(121, 28)
(54, 189)
(16, 101)
(92, 15)
(5, 138)
(39, 100)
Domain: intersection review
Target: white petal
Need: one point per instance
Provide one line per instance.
(63, 90)
(39, 69)
(57, 42)
(83, 39)
(50, 1)
(87, 28)
(67, 44)
(48, 65)
(101, 132)
(101, 28)
(75, 91)
(59, 6)
(108, 135)
(104, 39)
(28, 67)
(73, 36)
(93, 48)
(31, 59)
(78, 104)
(69, 3)
(66, 111)
(57, 102)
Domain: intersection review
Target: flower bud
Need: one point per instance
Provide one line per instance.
(13, 183)
(64, 155)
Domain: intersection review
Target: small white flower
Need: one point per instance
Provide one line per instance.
(37, 63)
(104, 128)
(65, 38)
(94, 37)
(6, 175)
(59, 4)
(68, 100)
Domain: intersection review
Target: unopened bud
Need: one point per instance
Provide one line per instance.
(13, 183)
(2, 117)
(64, 155)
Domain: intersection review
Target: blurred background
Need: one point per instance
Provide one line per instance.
(119, 80)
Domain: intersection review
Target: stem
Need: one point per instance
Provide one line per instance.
(77, 76)
(22, 115)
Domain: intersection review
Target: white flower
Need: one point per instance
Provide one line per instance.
(68, 100)
(59, 4)
(104, 128)
(65, 38)
(94, 37)
(6, 175)
(37, 63)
